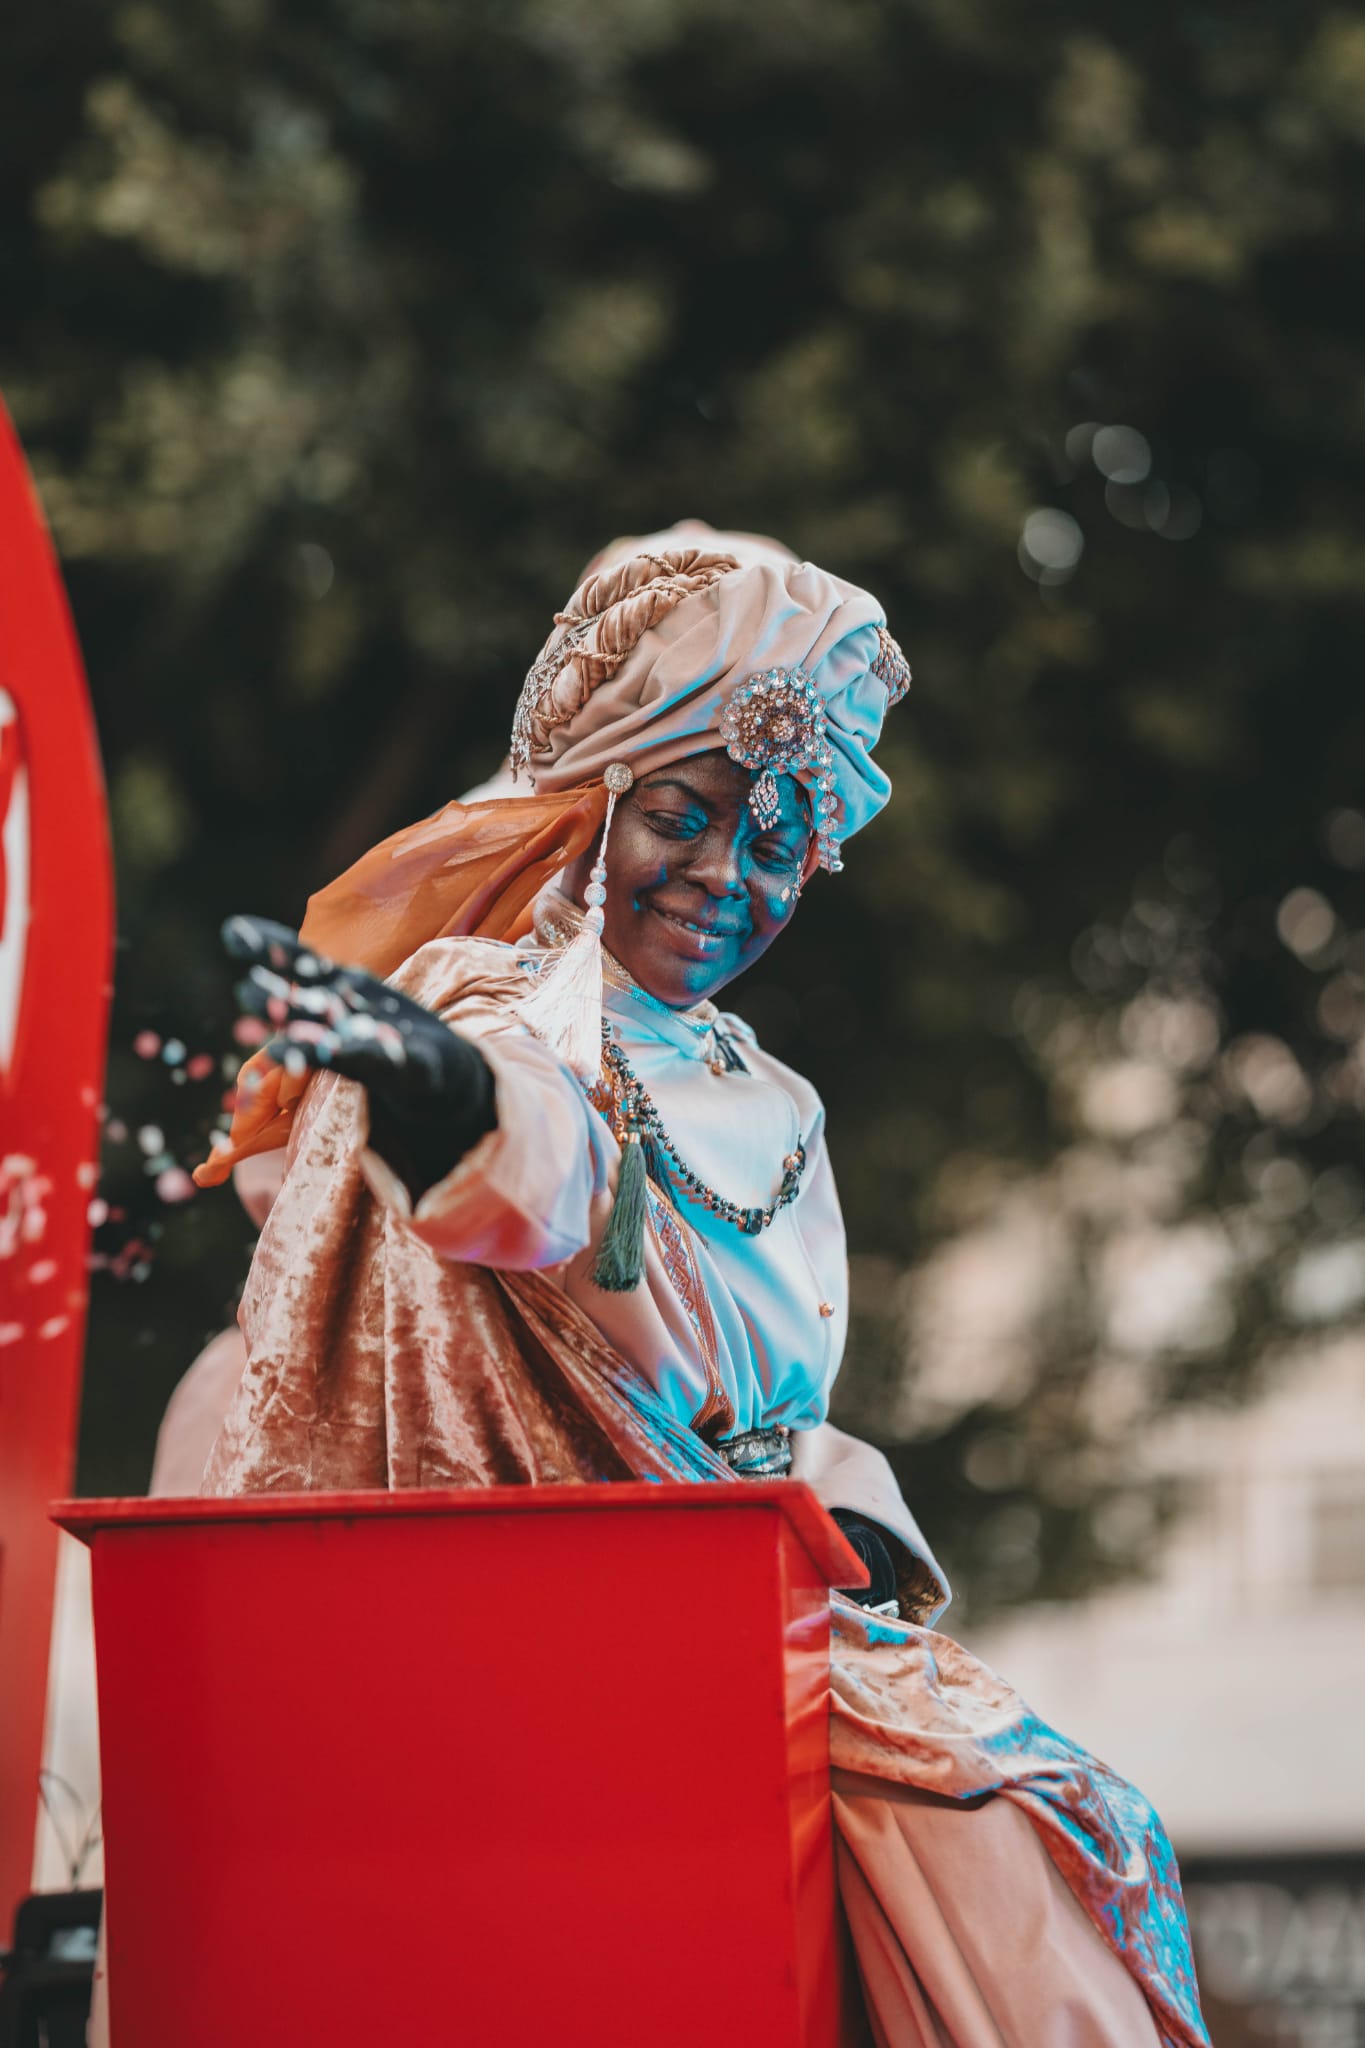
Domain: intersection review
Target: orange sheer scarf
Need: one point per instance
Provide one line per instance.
(469, 871)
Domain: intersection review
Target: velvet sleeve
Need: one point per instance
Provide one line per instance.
(520, 1199)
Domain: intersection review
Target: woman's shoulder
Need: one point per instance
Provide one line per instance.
(460, 974)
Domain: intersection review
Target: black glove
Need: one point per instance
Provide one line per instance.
(430, 1090)
(871, 1548)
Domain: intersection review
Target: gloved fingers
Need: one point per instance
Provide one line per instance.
(302, 1048)
(368, 1049)
(276, 1000)
(361, 1048)
(261, 942)
(280, 965)
(329, 1002)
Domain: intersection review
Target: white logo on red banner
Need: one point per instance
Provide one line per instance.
(14, 877)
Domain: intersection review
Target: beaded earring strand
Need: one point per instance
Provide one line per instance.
(565, 1008)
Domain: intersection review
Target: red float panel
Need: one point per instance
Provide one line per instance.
(55, 947)
(524, 1765)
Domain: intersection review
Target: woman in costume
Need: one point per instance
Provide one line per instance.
(549, 1215)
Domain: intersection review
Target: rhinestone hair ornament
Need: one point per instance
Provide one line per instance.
(775, 724)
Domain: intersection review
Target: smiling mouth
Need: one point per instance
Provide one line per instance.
(704, 937)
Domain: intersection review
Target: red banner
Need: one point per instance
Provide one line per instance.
(55, 953)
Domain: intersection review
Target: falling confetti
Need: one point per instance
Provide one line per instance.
(173, 1052)
(200, 1066)
(152, 1139)
(250, 1031)
(147, 1045)
(97, 1213)
(174, 1185)
(41, 1271)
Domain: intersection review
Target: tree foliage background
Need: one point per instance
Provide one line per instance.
(340, 334)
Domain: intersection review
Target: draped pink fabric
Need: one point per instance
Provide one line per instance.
(376, 1361)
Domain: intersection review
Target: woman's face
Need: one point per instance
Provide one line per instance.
(697, 889)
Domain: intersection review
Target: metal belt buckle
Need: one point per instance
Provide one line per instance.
(758, 1453)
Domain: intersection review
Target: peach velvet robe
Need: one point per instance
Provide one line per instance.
(463, 1343)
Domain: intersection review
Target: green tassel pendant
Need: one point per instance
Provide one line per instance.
(656, 1166)
(620, 1263)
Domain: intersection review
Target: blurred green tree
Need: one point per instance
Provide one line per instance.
(339, 335)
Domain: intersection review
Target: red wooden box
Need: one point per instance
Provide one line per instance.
(526, 1765)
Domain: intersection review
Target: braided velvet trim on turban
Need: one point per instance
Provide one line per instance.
(602, 624)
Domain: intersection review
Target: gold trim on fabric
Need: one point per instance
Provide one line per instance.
(615, 607)
(891, 667)
(673, 1237)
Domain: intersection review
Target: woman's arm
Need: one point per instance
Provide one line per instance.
(472, 1134)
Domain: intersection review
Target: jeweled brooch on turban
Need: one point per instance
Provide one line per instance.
(775, 724)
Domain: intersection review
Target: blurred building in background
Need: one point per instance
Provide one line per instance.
(1230, 1686)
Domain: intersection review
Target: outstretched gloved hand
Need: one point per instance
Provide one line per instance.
(430, 1090)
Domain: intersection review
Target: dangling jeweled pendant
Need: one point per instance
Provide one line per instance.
(765, 800)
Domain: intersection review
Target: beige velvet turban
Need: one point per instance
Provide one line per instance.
(666, 628)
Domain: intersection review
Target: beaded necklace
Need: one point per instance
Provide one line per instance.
(636, 1121)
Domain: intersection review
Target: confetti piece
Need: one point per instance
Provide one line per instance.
(151, 1138)
(250, 1031)
(200, 1067)
(147, 1045)
(87, 1173)
(174, 1185)
(116, 1131)
(10, 1333)
(42, 1271)
(173, 1051)
(97, 1213)
(54, 1326)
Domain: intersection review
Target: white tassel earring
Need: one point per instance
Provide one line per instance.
(565, 1008)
